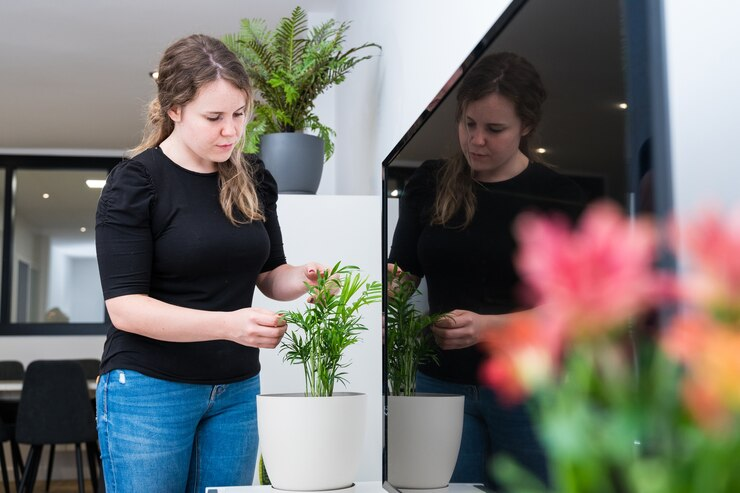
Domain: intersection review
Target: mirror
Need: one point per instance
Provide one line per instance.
(595, 130)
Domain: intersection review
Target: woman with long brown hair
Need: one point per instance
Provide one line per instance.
(455, 231)
(186, 229)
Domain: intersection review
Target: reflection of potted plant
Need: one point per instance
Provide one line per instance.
(290, 67)
(311, 441)
(424, 430)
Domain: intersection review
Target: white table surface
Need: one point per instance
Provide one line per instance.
(359, 487)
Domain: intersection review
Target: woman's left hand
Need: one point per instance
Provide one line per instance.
(461, 329)
(311, 272)
(288, 282)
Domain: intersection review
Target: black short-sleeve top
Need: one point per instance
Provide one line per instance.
(160, 231)
(472, 268)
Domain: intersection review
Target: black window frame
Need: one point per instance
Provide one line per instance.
(10, 164)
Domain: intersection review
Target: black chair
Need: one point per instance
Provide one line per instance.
(12, 370)
(7, 433)
(55, 408)
(91, 369)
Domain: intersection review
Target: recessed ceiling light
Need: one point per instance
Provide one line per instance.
(154, 75)
(83, 229)
(46, 195)
(540, 150)
(95, 183)
(394, 193)
(622, 106)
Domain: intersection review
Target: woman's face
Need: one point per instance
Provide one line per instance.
(489, 132)
(209, 126)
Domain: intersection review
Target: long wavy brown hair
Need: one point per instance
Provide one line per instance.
(186, 66)
(514, 78)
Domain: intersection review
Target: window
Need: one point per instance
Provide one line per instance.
(50, 274)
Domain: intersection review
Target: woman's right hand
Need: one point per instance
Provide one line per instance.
(257, 327)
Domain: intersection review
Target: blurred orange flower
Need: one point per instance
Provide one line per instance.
(523, 357)
(710, 354)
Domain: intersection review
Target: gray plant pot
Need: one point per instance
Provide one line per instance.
(296, 161)
(424, 435)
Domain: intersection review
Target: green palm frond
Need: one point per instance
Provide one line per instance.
(328, 326)
(290, 67)
(408, 342)
(289, 39)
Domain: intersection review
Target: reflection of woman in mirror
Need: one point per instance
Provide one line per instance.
(454, 230)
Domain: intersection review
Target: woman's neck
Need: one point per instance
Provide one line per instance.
(514, 167)
(184, 157)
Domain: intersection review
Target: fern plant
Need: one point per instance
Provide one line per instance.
(328, 326)
(290, 67)
(408, 345)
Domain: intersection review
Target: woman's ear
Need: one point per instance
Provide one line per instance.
(526, 131)
(175, 113)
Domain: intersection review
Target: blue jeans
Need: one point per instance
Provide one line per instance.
(157, 435)
(489, 428)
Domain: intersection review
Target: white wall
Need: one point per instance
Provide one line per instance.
(28, 348)
(86, 296)
(326, 111)
(423, 42)
(703, 67)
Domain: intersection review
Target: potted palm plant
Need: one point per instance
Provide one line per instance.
(311, 440)
(423, 430)
(290, 67)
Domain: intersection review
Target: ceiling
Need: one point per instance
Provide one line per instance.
(74, 73)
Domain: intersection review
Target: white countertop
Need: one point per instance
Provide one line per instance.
(360, 487)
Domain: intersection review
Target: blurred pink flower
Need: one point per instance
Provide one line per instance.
(593, 277)
(712, 242)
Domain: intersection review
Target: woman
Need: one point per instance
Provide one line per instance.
(455, 230)
(186, 228)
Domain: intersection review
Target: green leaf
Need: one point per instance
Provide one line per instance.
(409, 343)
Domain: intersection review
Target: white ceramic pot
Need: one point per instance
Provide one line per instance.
(311, 443)
(424, 433)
